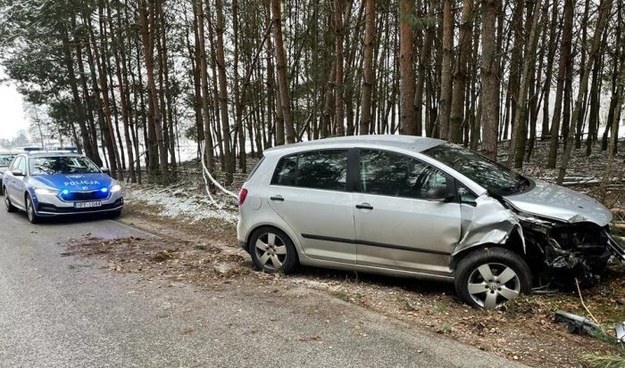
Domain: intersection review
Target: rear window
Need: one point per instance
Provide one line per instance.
(5, 159)
(316, 169)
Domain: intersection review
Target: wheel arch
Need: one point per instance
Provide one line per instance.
(292, 236)
(514, 243)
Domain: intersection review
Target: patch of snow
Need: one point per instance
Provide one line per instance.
(177, 203)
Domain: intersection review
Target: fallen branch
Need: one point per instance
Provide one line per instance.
(579, 291)
(208, 175)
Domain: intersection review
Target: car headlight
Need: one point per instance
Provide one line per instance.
(46, 191)
(116, 188)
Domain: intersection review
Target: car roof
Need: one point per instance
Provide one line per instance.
(412, 143)
(53, 154)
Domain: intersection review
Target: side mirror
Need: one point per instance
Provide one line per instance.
(106, 170)
(439, 193)
(17, 173)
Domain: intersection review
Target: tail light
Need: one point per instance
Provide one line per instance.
(242, 196)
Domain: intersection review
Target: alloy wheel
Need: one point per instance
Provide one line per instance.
(271, 251)
(30, 210)
(492, 284)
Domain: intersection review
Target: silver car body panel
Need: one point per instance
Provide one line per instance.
(560, 204)
(410, 234)
(490, 223)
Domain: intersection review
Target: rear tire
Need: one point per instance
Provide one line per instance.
(30, 211)
(489, 277)
(272, 250)
(7, 203)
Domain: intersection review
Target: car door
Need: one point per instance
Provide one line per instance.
(15, 185)
(401, 221)
(309, 192)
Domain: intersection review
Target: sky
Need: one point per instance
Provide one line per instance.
(12, 117)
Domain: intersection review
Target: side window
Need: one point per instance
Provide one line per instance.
(286, 171)
(13, 166)
(393, 174)
(16, 164)
(21, 166)
(317, 170)
(465, 195)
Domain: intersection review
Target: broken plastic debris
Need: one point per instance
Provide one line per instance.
(620, 332)
(577, 324)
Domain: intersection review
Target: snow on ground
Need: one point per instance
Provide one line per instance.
(179, 201)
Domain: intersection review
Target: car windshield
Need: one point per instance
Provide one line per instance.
(495, 178)
(62, 165)
(5, 159)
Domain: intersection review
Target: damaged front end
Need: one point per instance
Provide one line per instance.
(565, 252)
(557, 252)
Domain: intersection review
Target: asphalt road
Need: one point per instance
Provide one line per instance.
(58, 311)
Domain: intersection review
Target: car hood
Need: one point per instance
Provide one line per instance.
(75, 182)
(561, 204)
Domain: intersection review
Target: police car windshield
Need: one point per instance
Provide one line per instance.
(62, 165)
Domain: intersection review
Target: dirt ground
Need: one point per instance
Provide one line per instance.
(203, 251)
(206, 254)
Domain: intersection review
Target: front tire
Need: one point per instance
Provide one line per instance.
(7, 202)
(272, 250)
(490, 277)
(30, 211)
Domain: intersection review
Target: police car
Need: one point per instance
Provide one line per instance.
(54, 183)
(5, 161)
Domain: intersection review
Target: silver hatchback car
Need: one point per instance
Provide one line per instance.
(420, 207)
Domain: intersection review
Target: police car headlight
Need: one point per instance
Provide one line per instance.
(116, 188)
(46, 191)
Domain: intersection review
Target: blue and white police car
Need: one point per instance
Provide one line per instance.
(54, 183)
(5, 162)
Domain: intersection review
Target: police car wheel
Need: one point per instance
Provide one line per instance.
(30, 211)
(9, 206)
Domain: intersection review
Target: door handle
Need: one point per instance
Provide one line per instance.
(364, 206)
(277, 198)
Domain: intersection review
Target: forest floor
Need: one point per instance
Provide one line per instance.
(197, 244)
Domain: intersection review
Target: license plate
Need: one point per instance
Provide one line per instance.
(88, 204)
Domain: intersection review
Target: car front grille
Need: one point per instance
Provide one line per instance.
(84, 196)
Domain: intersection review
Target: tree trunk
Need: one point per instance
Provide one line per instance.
(564, 70)
(456, 118)
(489, 101)
(283, 85)
(147, 25)
(223, 91)
(446, 69)
(604, 13)
(407, 120)
(339, 101)
(366, 120)
(203, 79)
(517, 148)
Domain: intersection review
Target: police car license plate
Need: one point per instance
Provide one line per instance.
(88, 204)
